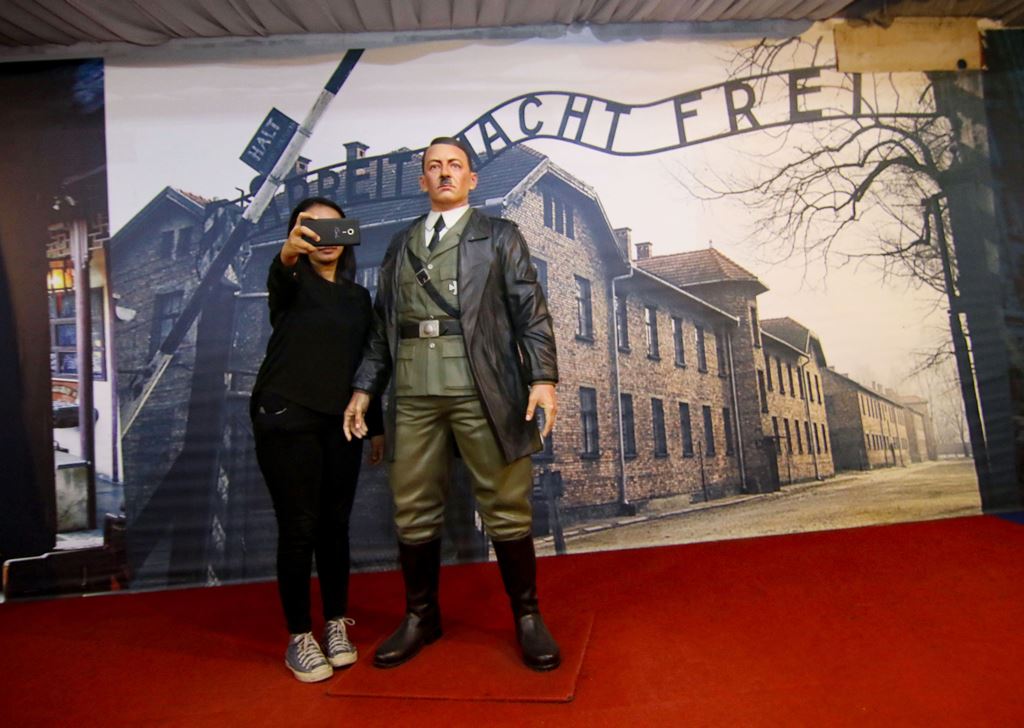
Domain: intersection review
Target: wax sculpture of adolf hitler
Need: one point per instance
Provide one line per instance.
(464, 341)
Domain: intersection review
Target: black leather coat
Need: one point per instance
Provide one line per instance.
(508, 331)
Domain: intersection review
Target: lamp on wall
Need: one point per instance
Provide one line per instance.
(60, 276)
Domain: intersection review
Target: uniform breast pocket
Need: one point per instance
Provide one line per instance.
(456, 374)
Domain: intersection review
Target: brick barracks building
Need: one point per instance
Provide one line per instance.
(868, 429)
(711, 401)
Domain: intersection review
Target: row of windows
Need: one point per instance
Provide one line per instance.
(813, 434)
(588, 414)
(678, 338)
(766, 383)
(882, 442)
(558, 216)
(873, 408)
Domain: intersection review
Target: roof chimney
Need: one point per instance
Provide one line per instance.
(355, 150)
(624, 238)
(643, 251)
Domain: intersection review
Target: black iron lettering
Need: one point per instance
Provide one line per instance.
(529, 130)
(399, 160)
(494, 133)
(328, 183)
(475, 157)
(798, 88)
(737, 111)
(572, 113)
(355, 190)
(616, 111)
(683, 114)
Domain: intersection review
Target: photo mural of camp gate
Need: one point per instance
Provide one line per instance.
(750, 257)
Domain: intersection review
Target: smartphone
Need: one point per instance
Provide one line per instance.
(333, 231)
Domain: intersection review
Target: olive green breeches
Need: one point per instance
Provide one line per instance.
(422, 469)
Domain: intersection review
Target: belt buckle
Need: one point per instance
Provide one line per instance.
(430, 329)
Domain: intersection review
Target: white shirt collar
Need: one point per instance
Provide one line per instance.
(450, 218)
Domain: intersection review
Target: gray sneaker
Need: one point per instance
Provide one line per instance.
(340, 652)
(305, 659)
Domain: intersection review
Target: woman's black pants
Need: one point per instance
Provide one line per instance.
(311, 471)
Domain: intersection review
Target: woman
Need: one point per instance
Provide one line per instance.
(320, 319)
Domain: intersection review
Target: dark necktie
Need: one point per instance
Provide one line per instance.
(438, 227)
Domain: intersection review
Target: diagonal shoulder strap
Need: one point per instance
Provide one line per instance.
(423, 278)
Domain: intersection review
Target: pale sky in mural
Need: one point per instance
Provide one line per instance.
(185, 126)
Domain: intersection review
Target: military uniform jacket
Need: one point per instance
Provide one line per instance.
(508, 333)
(431, 366)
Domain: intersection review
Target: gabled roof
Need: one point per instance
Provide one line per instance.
(795, 334)
(792, 332)
(699, 267)
(685, 295)
(187, 201)
(854, 384)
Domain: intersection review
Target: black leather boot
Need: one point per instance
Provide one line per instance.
(518, 564)
(421, 569)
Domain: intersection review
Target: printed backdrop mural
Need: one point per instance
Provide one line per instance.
(749, 255)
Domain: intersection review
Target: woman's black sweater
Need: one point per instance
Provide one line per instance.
(319, 329)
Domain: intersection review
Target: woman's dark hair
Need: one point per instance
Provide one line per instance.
(347, 262)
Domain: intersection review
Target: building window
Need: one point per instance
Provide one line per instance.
(817, 440)
(166, 308)
(558, 216)
(709, 432)
(778, 369)
(64, 334)
(778, 440)
(755, 327)
(720, 353)
(789, 441)
(807, 432)
(677, 338)
(761, 390)
(799, 439)
(789, 370)
(801, 380)
(686, 429)
(810, 392)
(622, 322)
(584, 312)
(651, 326)
(727, 423)
(588, 420)
(628, 429)
(824, 437)
(768, 371)
(367, 278)
(166, 248)
(817, 389)
(658, 423)
(702, 357)
(542, 274)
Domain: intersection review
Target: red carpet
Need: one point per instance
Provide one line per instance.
(918, 624)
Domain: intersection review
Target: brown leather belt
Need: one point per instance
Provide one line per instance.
(430, 329)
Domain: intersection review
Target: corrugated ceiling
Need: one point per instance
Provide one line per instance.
(57, 23)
